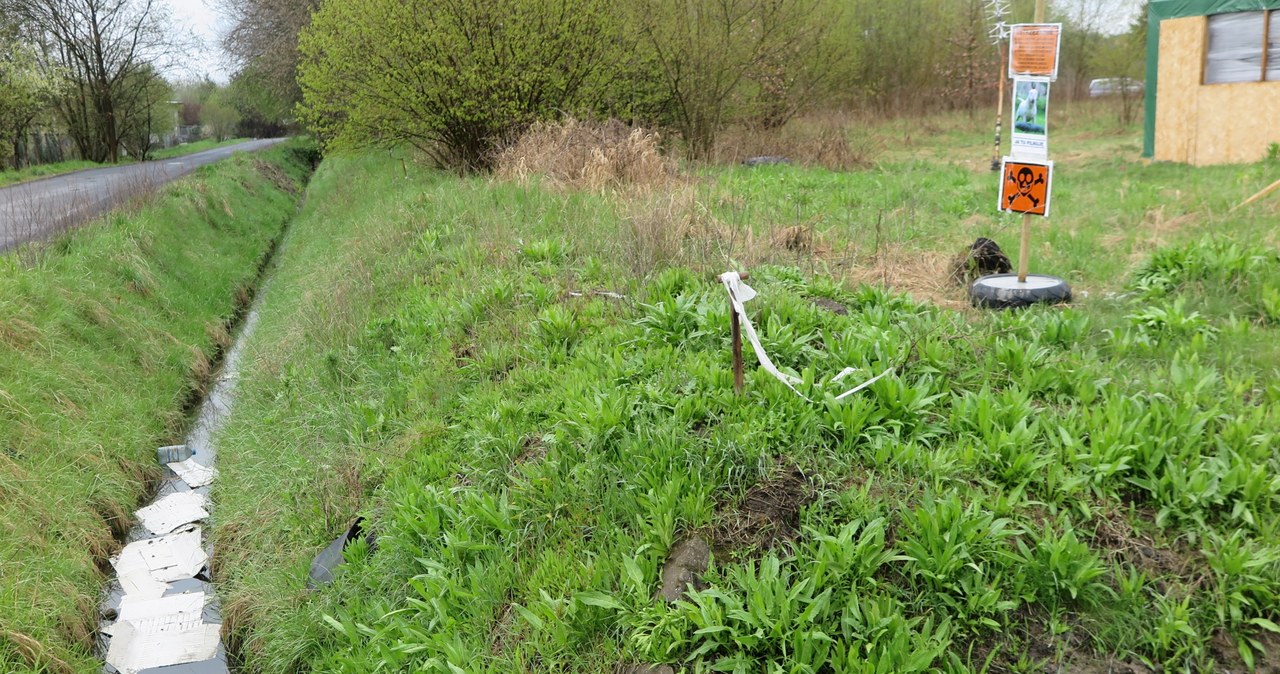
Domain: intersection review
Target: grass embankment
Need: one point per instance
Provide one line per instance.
(106, 334)
(48, 170)
(1091, 488)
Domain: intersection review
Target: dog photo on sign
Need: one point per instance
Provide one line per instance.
(1031, 106)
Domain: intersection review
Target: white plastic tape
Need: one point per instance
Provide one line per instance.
(739, 294)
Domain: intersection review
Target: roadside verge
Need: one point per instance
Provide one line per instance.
(107, 335)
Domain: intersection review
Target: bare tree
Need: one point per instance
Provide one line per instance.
(105, 48)
(265, 38)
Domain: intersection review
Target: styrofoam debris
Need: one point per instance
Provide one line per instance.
(194, 474)
(173, 511)
(146, 567)
(133, 650)
(163, 614)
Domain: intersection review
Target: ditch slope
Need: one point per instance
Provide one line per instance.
(533, 408)
(109, 335)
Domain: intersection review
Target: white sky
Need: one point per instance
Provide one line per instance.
(206, 23)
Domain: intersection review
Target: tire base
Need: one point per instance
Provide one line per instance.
(1003, 291)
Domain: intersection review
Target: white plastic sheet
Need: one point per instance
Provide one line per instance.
(1235, 48)
(173, 511)
(194, 474)
(739, 294)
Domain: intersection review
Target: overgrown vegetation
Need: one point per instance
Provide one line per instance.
(527, 391)
(106, 334)
(461, 80)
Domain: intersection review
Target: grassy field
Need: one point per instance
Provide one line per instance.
(107, 333)
(8, 177)
(526, 388)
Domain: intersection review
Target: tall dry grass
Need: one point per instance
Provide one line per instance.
(578, 154)
(832, 140)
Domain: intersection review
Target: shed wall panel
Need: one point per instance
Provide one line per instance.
(1208, 124)
(1182, 44)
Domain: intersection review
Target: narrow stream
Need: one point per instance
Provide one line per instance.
(160, 609)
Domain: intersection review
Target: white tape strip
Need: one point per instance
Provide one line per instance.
(741, 293)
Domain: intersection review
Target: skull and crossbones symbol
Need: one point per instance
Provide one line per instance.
(1025, 180)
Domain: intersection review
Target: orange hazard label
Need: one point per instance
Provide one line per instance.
(1033, 49)
(1025, 187)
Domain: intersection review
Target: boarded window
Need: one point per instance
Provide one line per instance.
(1236, 46)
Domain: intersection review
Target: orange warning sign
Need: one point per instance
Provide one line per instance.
(1025, 187)
(1033, 49)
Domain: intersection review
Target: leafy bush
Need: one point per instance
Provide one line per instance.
(453, 79)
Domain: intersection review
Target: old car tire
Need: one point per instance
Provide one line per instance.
(1003, 291)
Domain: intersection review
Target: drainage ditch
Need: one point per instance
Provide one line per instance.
(160, 609)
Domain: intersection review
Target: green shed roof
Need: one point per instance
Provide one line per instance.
(1175, 9)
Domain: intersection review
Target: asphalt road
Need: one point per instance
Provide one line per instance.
(41, 208)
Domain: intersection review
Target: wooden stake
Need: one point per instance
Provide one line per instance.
(995, 160)
(1024, 250)
(1265, 191)
(737, 341)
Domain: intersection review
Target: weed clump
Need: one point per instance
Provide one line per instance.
(587, 155)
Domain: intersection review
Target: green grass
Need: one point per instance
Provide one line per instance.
(11, 177)
(105, 333)
(8, 177)
(192, 148)
(1053, 488)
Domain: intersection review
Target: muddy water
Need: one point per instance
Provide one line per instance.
(213, 412)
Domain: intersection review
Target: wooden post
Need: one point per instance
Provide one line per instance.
(995, 160)
(735, 325)
(1024, 250)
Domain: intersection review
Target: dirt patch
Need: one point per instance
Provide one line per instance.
(503, 631)
(686, 564)
(1116, 537)
(276, 176)
(643, 669)
(767, 515)
(831, 305)
(531, 449)
(1225, 653)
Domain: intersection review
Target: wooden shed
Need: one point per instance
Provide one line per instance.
(1213, 80)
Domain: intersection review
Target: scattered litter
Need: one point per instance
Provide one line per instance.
(194, 474)
(330, 558)
(847, 371)
(598, 293)
(173, 453)
(173, 511)
(768, 160)
(133, 650)
(741, 293)
(146, 567)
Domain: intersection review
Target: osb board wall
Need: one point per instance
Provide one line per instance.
(1208, 124)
